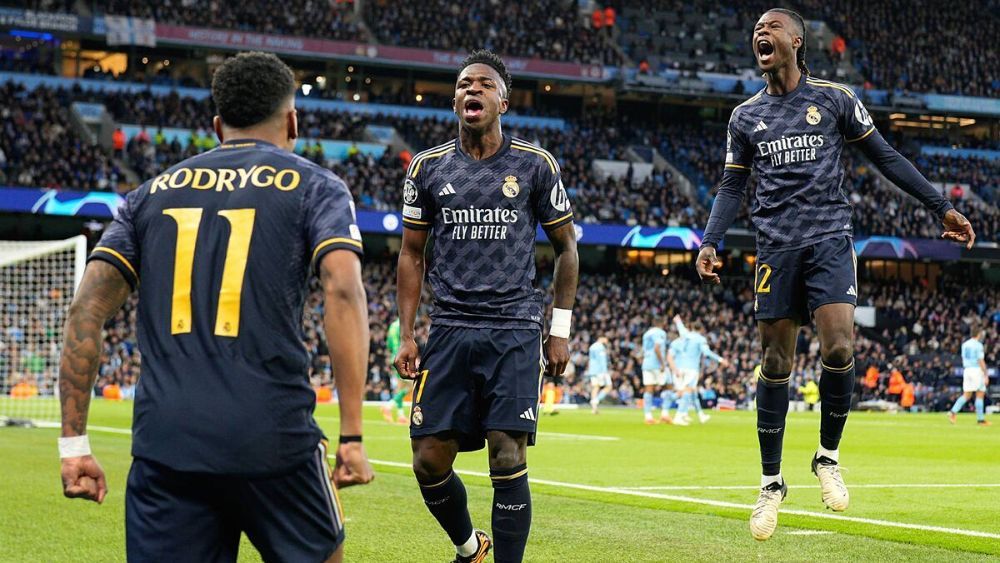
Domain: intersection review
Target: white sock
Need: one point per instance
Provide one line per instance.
(832, 454)
(469, 547)
(766, 480)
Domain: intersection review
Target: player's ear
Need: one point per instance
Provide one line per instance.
(504, 104)
(217, 125)
(292, 123)
(454, 106)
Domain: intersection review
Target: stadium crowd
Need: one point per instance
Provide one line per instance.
(896, 46)
(547, 29)
(40, 148)
(922, 328)
(38, 118)
(308, 18)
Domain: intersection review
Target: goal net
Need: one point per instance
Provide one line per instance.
(37, 283)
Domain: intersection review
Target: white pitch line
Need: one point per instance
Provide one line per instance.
(853, 486)
(724, 504)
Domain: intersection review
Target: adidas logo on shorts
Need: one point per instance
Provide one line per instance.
(529, 414)
(851, 291)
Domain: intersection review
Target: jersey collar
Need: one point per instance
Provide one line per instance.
(504, 148)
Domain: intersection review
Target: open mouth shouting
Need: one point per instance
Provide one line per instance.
(765, 50)
(473, 110)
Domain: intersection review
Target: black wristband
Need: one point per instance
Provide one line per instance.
(348, 439)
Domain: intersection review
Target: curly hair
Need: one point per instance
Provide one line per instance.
(800, 55)
(490, 59)
(247, 89)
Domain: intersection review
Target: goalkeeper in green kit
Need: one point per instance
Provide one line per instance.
(402, 385)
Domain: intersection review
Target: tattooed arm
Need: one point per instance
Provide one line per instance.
(101, 294)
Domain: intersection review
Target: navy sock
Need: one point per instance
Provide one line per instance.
(447, 501)
(511, 513)
(836, 386)
(772, 407)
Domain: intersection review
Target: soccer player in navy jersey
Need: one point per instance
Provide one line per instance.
(792, 134)
(482, 197)
(223, 437)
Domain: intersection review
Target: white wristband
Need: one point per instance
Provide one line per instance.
(75, 446)
(562, 319)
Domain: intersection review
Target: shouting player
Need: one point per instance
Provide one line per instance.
(223, 438)
(482, 196)
(597, 372)
(974, 376)
(792, 133)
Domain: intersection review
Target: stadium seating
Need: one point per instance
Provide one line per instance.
(657, 201)
(312, 18)
(39, 148)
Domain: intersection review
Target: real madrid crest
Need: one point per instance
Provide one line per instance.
(813, 116)
(510, 187)
(418, 416)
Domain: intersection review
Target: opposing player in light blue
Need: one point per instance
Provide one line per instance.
(654, 371)
(974, 378)
(598, 372)
(684, 357)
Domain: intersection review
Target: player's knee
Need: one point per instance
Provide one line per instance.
(429, 466)
(507, 451)
(776, 364)
(838, 353)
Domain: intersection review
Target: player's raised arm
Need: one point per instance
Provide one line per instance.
(857, 127)
(566, 277)
(102, 292)
(345, 320)
(901, 172)
(739, 158)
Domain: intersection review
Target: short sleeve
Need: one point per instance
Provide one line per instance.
(331, 222)
(418, 206)
(739, 151)
(855, 122)
(551, 203)
(119, 246)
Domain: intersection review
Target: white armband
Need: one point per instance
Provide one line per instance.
(75, 446)
(562, 319)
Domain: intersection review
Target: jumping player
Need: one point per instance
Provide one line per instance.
(974, 378)
(223, 438)
(792, 134)
(482, 196)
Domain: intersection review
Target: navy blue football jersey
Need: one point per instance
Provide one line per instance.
(794, 143)
(483, 215)
(221, 247)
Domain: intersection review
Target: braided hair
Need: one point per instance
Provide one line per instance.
(800, 55)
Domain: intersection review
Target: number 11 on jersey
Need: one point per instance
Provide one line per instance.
(227, 319)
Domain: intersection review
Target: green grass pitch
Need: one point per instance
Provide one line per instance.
(605, 488)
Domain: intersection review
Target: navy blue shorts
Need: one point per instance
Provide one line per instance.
(181, 516)
(478, 379)
(791, 284)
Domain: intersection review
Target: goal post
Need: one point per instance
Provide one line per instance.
(37, 282)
